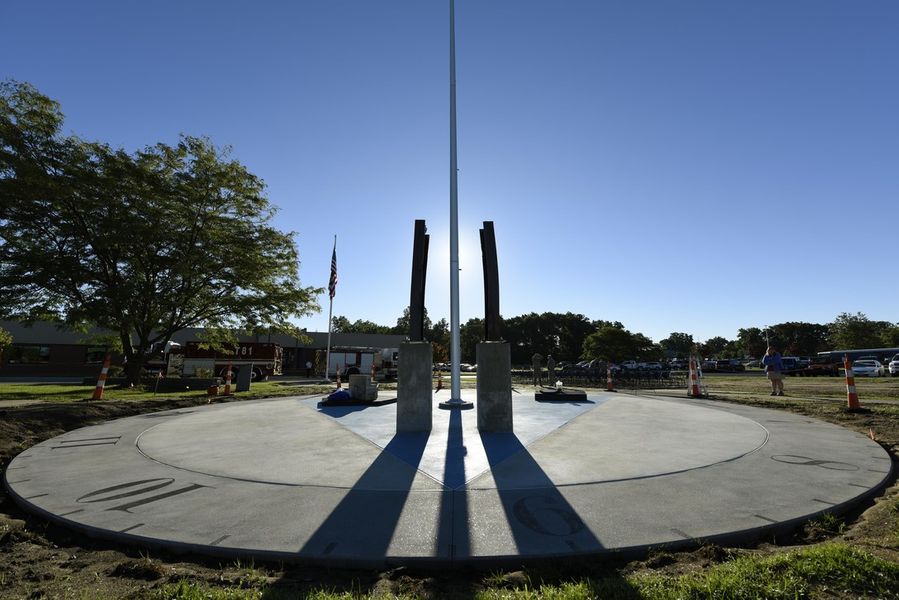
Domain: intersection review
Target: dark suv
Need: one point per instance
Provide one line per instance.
(732, 365)
(791, 364)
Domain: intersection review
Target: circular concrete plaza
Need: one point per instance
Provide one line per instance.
(285, 480)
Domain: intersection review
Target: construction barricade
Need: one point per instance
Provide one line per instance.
(695, 387)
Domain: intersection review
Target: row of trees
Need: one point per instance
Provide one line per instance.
(570, 336)
(151, 242)
(142, 243)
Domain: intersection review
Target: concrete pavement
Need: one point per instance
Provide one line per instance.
(281, 479)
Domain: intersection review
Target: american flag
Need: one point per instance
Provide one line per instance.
(332, 283)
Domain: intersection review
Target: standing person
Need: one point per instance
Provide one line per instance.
(308, 368)
(551, 368)
(537, 365)
(774, 368)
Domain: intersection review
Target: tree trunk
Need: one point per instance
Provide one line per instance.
(132, 363)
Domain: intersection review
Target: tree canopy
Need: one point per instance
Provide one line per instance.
(144, 244)
(5, 340)
(610, 343)
(679, 344)
(850, 331)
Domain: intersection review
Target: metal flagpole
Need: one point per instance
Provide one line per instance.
(455, 351)
(332, 287)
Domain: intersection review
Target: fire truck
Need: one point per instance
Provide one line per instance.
(353, 360)
(191, 360)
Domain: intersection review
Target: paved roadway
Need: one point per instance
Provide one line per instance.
(281, 479)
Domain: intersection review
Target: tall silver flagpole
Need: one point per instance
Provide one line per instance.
(455, 351)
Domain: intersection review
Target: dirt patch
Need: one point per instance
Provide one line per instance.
(39, 560)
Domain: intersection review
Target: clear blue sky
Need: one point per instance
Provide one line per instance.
(677, 166)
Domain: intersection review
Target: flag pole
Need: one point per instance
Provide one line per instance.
(455, 349)
(332, 286)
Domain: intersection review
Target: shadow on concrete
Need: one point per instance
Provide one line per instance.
(455, 535)
(337, 412)
(367, 516)
(574, 402)
(542, 521)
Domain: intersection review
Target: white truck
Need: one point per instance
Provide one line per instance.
(352, 360)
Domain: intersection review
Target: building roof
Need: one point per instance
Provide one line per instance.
(50, 333)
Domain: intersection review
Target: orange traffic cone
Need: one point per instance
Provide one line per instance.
(609, 386)
(101, 382)
(693, 390)
(851, 394)
(228, 380)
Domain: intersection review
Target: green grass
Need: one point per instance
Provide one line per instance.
(829, 569)
(185, 590)
(53, 392)
(191, 590)
(870, 389)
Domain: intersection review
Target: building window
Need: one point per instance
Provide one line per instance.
(96, 354)
(29, 355)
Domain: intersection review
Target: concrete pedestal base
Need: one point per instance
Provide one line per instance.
(494, 387)
(362, 388)
(244, 377)
(413, 387)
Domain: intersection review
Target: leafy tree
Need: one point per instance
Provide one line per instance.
(752, 341)
(610, 343)
(470, 334)
(341, 324)
(714, 347)
(573, 329)
(143, 244)
(439, 336)
(800, 339)
(890, 336)
(850, 331)
(528, 334)
(5, 342)
(557, 334)
(645, 349)
(678, 344)
(402, 323)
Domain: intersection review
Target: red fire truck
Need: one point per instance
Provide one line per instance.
(191, 360)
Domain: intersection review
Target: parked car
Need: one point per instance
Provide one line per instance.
(731, 365)
(894, 366)
(791, 365)
(820, 367)
(871, 368)
(571, 370)
(628, 364)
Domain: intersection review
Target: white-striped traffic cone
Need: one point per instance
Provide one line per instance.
(101, 382)
(228, 380)
(609, 385)
(693, 390)
(851, 394)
